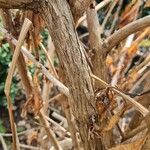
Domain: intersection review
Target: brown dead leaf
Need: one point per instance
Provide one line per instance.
(104, 101)
(137, 145)
(132, 50)
(109, 60)
(113, 121)
(147, 4)
(38, 25)
(32, 138)
(35, 102)
(37, 95)
(129, 14)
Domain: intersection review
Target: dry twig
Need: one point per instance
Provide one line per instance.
(98, 7)
(121, 34)
(24, 30)
(3, 143)
(61, 87)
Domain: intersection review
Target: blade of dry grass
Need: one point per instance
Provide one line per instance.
(8, 24)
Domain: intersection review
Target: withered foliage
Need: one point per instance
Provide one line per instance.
(106, 49)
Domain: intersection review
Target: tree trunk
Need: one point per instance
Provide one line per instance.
(60, 23)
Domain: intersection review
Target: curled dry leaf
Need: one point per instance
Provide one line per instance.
(32, 138)
(38, 25)
(113, 121)
(34, 102)
(137, 145)
(104, 101)
(147, 4)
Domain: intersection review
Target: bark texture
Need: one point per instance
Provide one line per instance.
(60, 23)
(78, 7)
(22, 4)
(99, 66)
(124, 32)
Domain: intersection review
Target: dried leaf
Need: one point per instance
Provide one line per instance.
(104, 101)
(147, 4)
(132, 50)
(35, 102)
(137, 145)
(109, 60)
(38, 24)
(129, 14)
(32, 138)
(113, 121)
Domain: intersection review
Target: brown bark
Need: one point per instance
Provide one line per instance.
(59, 20)
(124, 32)
(99, 66)
(57, 15)
(78, 7)
(19, 4)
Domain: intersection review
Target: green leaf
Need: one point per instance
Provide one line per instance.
(2, 128)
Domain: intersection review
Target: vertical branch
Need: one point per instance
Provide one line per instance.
(22, 35)
(70, 120)
(98, 7)
(73, 63)
(49, 132)
(99, 66)
(109, 14)
(7, 21)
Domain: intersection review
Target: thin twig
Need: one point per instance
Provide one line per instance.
(135, 131)
(61, 87)
(19, 134)
(56, 97)
(24, 30)
(49, 131)
(122, 33)
(116, 17)
(109, 14)
(144, 63)
(50, 61)
(98, 7)
(116, 76)
(59, 126)
(3, 143)
(29, 147)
